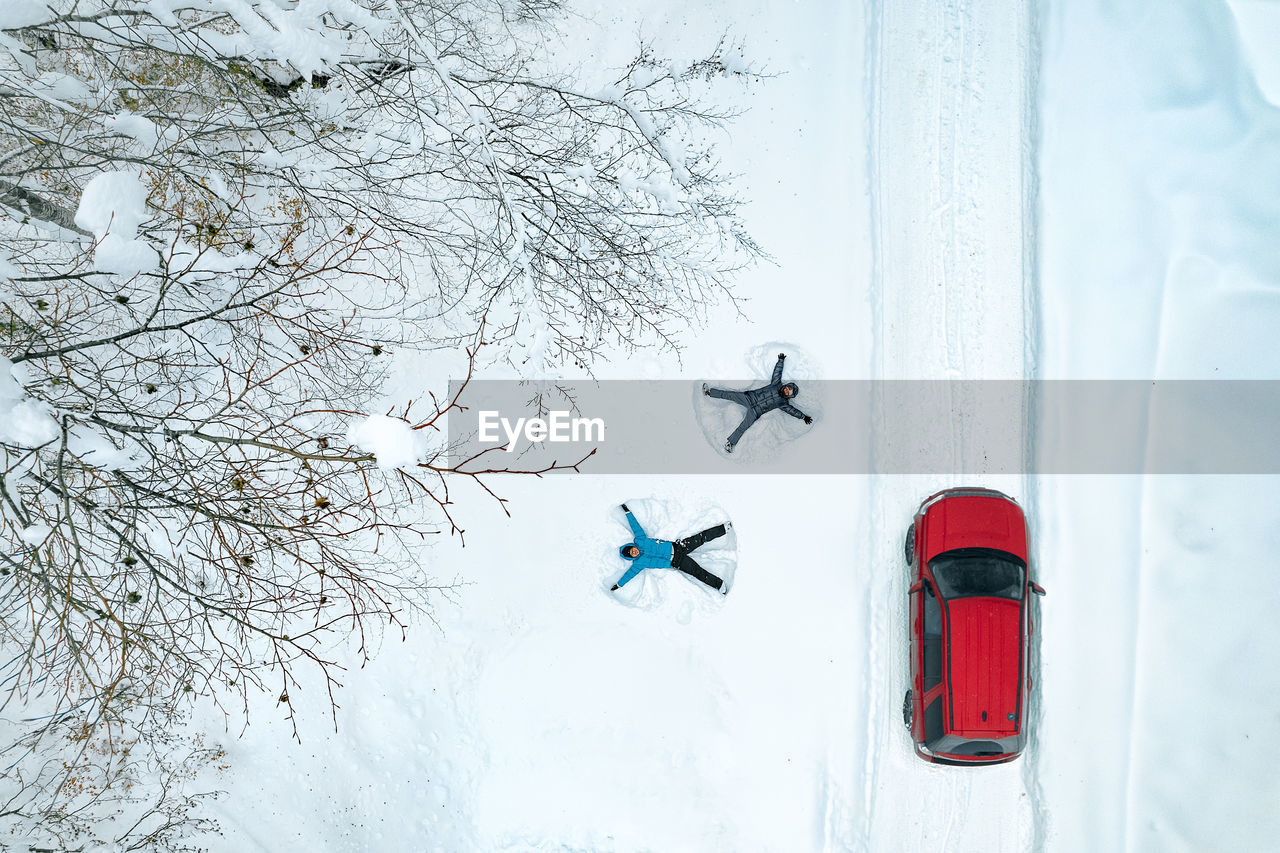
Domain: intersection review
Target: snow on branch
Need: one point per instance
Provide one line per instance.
(220, 223)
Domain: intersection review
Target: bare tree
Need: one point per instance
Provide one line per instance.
(316, 190)
(596, 217)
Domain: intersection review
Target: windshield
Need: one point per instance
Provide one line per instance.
(978, 571)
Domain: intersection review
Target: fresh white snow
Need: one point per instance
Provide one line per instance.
(954, 205)
(892, 171)
(23, 421)
(392, 441)
(22, 13)
(1161, 178)
(112, 206)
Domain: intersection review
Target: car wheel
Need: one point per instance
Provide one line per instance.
(908, 710)
(909, 547)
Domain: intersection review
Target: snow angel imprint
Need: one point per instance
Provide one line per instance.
(646, 552)
(760, 401)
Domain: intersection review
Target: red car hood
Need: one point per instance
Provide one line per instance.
(975, 521)
(984, 657)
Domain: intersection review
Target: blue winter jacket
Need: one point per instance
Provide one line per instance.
(654, 553)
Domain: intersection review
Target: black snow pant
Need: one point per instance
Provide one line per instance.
(681, 560)
(748, 419)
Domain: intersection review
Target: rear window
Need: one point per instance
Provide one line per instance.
(978, 572)
(978, 748)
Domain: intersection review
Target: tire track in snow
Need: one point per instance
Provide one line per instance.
(1031, 361)
(953, 89)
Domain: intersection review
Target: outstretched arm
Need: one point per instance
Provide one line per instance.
(635, 525)
(796, 413)
(777, 368)
(627, 576)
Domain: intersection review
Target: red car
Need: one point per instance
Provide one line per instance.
(971, 628)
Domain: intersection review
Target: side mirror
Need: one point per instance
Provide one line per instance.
(1036, 588)
(915, 587)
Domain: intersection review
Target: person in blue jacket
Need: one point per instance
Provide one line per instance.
(648, 553)
(760, 401)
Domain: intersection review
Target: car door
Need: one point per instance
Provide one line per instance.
(931, 680)
(926, 656)
(915, 630)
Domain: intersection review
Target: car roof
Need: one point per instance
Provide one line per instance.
(983, 638)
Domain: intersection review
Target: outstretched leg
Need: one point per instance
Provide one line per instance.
(690, 567)
(734, 437)
(733, 396)
(697, 540)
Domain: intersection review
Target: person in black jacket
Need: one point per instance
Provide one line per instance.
(760, 401)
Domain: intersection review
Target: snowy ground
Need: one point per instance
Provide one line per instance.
(544, 714)
(1161, 178)
(953, 202)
